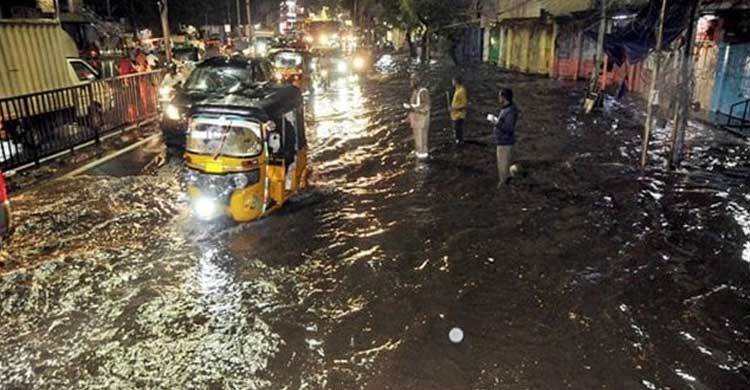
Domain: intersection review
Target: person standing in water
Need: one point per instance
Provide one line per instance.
(505, 127)
(419, 117)
(458, 109)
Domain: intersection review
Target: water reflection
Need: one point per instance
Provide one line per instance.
(742, 216)
(357, 287)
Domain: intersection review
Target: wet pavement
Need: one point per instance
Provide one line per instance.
(585, 273)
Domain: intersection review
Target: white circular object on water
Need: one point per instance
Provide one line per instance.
(456, 335)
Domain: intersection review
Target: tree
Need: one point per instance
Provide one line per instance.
(433, 17)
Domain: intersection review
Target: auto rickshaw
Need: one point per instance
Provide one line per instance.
(246, 153)
(292, 67)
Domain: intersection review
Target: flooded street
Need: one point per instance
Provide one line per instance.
(586, 273)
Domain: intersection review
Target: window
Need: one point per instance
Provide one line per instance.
(83, 72)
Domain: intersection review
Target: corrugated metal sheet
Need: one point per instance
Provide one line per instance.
(512, 9)
(33, 57)
(528, 47)
(706, 58)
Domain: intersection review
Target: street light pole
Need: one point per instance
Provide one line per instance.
(653, 92)
(682, 111)
(239, 18)
(249, 27)
(164, 14)
(593, 97)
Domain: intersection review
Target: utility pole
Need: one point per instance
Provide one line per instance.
(653, 93)
(682, 110)
(164, 14)
(56, 4)
(355, 18)
(239, 18)
(594, 98)
(132, 18)
(249, 27)
(109, 10)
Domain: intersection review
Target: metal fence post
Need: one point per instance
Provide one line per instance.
(29, 131)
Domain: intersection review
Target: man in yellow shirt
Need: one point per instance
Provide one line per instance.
(458, 109)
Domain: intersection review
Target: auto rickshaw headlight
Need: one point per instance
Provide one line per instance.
(205, 208)
(172, 112)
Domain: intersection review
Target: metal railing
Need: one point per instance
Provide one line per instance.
(740, 121)
(36, 126)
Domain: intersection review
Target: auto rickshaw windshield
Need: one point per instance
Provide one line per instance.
(226, 137)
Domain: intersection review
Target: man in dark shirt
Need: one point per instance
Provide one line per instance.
(505, 126)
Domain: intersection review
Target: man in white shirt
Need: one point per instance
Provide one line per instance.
(419, 117)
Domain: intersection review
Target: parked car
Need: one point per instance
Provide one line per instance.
(37, 57)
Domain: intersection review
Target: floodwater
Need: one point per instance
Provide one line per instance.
(585, 273)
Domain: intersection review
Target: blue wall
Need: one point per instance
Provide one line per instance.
(469, 48)
(732, 83)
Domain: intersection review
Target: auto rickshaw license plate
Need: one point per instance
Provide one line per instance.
(213, 167)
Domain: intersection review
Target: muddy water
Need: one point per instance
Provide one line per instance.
(585, 273)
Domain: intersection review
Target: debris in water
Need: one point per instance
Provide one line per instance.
(456, 335)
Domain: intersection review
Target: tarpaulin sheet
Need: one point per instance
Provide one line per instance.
(633, 42)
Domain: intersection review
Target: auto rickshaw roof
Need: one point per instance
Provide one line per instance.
(263, 102)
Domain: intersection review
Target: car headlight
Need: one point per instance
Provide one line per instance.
(205, 208)
(172, 112)
(342, 67)
(359, 63)
(240, 181)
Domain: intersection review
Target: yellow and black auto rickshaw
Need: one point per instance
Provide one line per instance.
(291, 66)
(246, 153)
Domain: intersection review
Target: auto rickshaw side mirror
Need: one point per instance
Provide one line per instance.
(274, 142)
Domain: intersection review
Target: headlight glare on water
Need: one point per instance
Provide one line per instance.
(240, 181)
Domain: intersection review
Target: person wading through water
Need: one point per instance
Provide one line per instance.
(505, 127)
(458, 109)
(419, 117)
